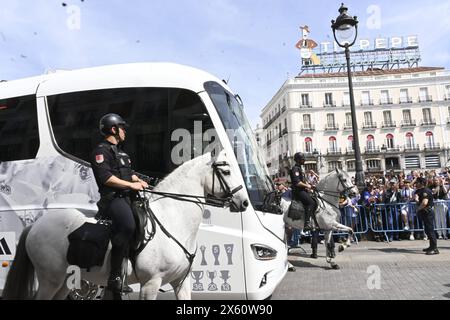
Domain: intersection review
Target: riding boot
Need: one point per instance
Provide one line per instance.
(314, 253)
(115, 287)
(308, 214)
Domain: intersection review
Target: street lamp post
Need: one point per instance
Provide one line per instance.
(345, 31)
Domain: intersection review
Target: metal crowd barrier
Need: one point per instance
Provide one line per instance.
(390, 219)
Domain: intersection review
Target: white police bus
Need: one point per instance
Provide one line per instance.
(49, 125)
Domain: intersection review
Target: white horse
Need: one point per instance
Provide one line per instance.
(327, 214)
(43, 247)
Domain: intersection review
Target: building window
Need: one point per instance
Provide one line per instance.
(18, 128)
(348, 119)
(333, 144)
(427, 115)
(385, 98)
(351, 165)
(308, 145)
(307, 121)
(404, 96)
(424, 95)
(407, 116)
(373, 164)
(432, 162)
(387, 116)
(430, 139)
(330, 121)
(368, 118)
(333, 165)
(410, 143)
(370, 142)
(366, 98)
(390, 141)
(350, 143)
(329, 99)
(346, 101)
(412, 162)
(305, 100)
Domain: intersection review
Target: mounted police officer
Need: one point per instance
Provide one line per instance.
(301, 188)
(424, 200)
(115, 180)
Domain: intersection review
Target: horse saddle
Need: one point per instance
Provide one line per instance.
(297, 209)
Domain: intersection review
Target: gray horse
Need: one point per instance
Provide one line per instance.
(327, 214)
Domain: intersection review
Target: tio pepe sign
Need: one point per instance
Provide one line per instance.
(377, 44)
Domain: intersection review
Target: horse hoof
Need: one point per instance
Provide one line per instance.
(341, 248)
(335, 267)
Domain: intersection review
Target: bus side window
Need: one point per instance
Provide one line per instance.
(19, 133)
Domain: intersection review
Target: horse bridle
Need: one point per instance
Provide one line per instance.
(220, 173)
(344, 192)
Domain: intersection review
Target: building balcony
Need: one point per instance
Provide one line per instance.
(349, 151)
(368, 103)
(283, 110)
(405, 100)
(334, 152)
(309, 128)
(331, 127)
(271, 121)
(447, 97)
(330, 105)
(448, 120)
(412, 148)
(284, 132)
(269, 142)
(389, 124)
(425, 99)
(348, 126)
(396, 149)
(369, 125)
(428, 123)
(346, 103)
(306, 106)
(387, 101)
(372, 150)
(432, 147)
(409, 124)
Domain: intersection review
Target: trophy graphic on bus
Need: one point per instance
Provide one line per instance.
(212, 286)
(229, 250)
(216, 253)
(197, 276)
(225, 275)
(203, 249)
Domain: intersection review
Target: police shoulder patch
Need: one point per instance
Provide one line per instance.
(99, 158)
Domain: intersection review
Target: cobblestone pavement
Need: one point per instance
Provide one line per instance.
(406, 273)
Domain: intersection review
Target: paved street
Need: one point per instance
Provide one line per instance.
(405, 272)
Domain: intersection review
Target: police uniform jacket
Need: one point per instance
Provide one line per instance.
(109, 160)
(297, 176)
(425, 193)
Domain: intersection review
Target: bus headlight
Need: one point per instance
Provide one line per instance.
(263, 252)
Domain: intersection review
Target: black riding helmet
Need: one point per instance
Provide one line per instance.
(299, 157)
(109, 121)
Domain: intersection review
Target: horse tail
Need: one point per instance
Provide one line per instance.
(20, 281)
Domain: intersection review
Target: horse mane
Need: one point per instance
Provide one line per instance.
(182, 171)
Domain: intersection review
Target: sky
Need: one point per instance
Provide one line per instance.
(250, 43)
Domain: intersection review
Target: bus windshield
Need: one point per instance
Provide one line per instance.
(244, 144)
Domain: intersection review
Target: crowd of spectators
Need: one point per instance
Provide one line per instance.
(388, 203)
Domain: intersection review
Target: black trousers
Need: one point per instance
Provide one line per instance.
(305, 198)
(427, 216)
(123, 228)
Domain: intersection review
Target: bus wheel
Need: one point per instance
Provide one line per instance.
(88, 291)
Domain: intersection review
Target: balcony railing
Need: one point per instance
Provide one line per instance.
(412, 148)
(373, 150)
(448, 120)
(432, 147)
(369, 125)
(334, 152)
(405, 100)
(269, 142)
(348, 126)
(331, 127)
(275, 117)
(409, 123)
(346, 103)
(426, 99)
(389, 124)
(367, 103)
(386, 101)
(349, 151)
(428, 123)
(329, 105)
(447, 97)
(306, 105)
(283, 110)
(396, 149)
(309, 128)
(284, 132)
